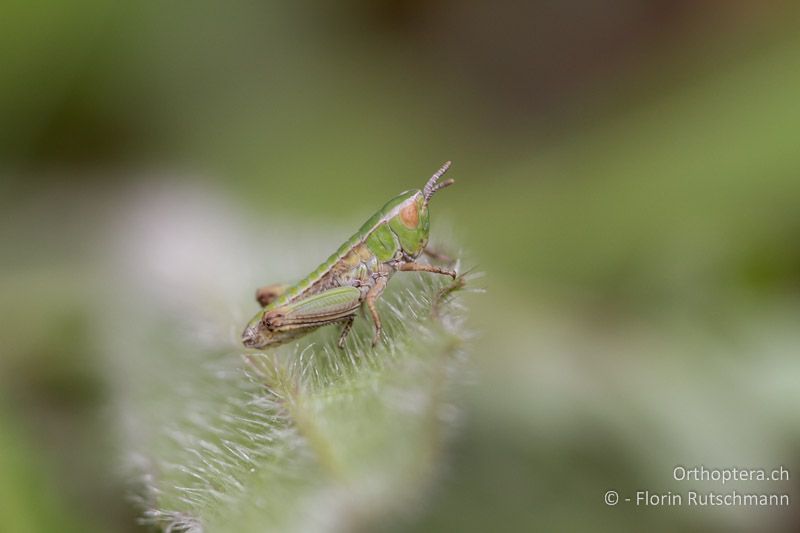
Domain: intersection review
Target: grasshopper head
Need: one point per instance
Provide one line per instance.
(412, 222)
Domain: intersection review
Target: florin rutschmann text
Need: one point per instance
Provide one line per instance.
(710, 498)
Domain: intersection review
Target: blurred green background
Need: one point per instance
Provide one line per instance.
(628, 181)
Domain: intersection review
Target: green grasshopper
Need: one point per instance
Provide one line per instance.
(390, 241)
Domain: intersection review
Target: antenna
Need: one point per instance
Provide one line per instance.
(431, 187)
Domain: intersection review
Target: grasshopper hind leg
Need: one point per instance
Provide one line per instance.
(348, 325)
(293, 319)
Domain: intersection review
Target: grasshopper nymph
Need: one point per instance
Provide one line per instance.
(390, 241)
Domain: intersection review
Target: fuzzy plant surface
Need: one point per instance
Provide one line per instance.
(305, 437)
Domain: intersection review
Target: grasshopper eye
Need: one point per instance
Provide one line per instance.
(409, 216)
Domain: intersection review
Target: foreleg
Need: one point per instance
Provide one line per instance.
(422, 267)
